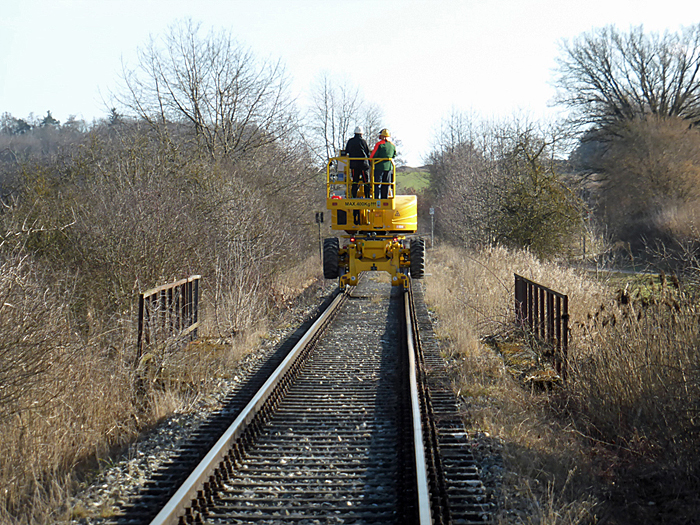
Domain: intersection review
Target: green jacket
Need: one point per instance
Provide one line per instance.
(384, 149)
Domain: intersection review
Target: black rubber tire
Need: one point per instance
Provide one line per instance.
(331, 258)
(417, 258)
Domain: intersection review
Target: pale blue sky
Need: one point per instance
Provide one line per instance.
(419, 58)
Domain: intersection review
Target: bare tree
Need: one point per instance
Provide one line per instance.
(336, 109)
(636, 96)
(460, 174)
(456, 129)
(234, 102)
(607, 76)
(371, 119)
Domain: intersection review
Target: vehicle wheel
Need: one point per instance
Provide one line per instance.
(331, 257)
(417, 258)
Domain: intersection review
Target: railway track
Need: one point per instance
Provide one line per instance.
(335, 435)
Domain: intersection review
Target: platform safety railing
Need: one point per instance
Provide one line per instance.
(170, 310)
(339, 178)
(544, 313)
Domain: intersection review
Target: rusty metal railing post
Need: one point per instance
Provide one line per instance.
(195, 308)
(550, 318)
(565, 337)
(139, 337)
(520, 301)
(540, 316)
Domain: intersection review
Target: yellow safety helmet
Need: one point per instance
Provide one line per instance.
(384, 133)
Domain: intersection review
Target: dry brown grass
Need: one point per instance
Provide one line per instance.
(65, 399)
(636, 377)
(633, 392)
(472, 295)
(473, 292)
(185, 374)
(623, 427)
(77, 403)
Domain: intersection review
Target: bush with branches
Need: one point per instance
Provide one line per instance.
(503, 184)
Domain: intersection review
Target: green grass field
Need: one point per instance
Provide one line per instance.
(415, 178)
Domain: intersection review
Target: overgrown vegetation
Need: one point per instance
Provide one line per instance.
(503, 184)
(617, 440)
(204, 166)
(635, 99)
(621, 172)
(644, 183)
(471, 294)
(93, 214)
(620, 432)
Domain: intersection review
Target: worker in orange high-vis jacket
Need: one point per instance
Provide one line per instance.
(384, 149)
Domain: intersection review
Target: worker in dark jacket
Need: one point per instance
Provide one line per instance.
(384, 149)
(358, 151)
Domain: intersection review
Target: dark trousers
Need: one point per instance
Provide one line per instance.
(359, 175)
(382, 179)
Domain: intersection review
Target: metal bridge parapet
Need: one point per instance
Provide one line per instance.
(168, 310)
(544, 313)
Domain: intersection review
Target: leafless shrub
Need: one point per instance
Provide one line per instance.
(239, 297)
(644, 190)
(681, 258)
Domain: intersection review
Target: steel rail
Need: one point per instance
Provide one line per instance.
(178, 503)
(424, 510)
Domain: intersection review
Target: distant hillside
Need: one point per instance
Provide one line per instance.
(416, 178)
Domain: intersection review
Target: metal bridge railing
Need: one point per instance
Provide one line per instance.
(167, 311)
(545, 314)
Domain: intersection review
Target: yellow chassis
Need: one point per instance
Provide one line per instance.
(367, 254)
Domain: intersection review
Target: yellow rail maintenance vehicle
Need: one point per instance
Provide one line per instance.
(376, 229)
